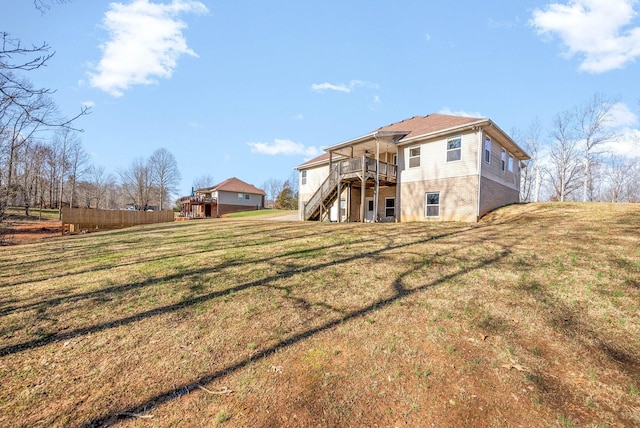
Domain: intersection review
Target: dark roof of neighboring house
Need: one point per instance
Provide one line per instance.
(235, 185)
(421, 125)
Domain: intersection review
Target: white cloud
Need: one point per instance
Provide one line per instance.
(145, 43)
(353, 85)
(427, 37)
(627, 144)
(319, 87)
(447, 110)
(284, 147)
(298, 116)
(597, 30)
(621, 116)
(88, 104)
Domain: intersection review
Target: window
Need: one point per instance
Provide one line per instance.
(487, 150)
(247, 197)
(454, 149)
(510, 163)
(303, 178)
(432, 204)
(390, 207)
(240, 196)
(503, 160)
(414, 157)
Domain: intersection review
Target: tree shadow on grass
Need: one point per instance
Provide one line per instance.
(226, 242)
(62, 336)
(105, 293)
(400, 292)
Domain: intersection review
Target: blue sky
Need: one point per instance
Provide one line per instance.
(252, 89)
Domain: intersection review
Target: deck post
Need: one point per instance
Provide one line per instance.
(338, 183)
(377, 182)
(363, 188)
(348, 207)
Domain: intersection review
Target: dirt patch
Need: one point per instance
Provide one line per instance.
(17, 229)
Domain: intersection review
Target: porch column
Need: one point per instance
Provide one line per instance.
(363, 188)
(348, 207)
(328, 189)
(377, 182)
(338, 182)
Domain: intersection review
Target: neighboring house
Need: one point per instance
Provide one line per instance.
(232, 195)
(436, 167)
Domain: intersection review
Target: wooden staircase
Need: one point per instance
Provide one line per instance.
(318, 207)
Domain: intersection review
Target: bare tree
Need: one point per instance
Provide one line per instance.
(23, 108)
(272, 187)
(136, 183)
(78, 161)
(530, 141)
(592, 127)
(45, 5)
(203, 181)
(165, 175)
(16, 92)
(64, 143)
(30, 173)
(620, 178)
(99, 184)
(565, 167)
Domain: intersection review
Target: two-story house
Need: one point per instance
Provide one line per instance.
(232, 195)
(435, 167)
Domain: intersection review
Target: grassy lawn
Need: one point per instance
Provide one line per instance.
(46, 213)
(259, 213)
(530, 318)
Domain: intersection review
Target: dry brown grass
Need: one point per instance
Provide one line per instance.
(530, 317)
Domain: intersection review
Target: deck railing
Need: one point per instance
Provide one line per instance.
(354, 165)
(197, 199)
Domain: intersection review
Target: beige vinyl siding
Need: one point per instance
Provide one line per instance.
(315, 177)
(433, 160)
(458, 199)
(493, 170)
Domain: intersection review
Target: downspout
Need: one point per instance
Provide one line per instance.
(377, 182)
(480, 164)
(322, 199)
(363, 187)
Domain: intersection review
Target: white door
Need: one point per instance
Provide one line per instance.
(368, 216)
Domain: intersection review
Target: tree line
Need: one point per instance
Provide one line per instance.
(282, 194)
(574, 160)
(42, 160)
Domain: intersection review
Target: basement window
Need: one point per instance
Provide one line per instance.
(390, 207)
(454, 149)
(432, 204)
